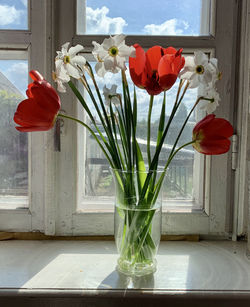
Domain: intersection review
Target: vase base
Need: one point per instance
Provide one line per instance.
(136, 269)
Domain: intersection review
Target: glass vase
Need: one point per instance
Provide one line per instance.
(137, 220)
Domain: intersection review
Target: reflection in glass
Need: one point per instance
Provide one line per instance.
(13, 144)
(159, 17)
(14, 14)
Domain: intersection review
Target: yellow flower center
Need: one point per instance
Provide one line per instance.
(200, 69)
(197, 138)
(113, 51)
(66, 59)
(99, 59)
(220, 75)
(54, 76)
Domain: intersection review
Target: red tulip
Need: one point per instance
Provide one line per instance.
(211, 135)
(39, 111)
(157, 69)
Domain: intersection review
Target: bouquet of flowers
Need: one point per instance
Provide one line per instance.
(138, 180)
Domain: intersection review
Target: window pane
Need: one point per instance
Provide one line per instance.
(14, 14)
(179, 178)
(13, 144)
(159, 17)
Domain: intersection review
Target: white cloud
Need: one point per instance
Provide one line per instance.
(9, 15)
(169, 27)
(99, 23)
(17, 73)
(24, 2)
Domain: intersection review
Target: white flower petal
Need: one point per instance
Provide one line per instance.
(118, 39)
(189, 63)
(60, 87)
(103, 54)
(109, 64)
(100, 69)
(126, 51)
(107, 43)
(200, 58)
(207, 77)
(214, 62)
(58, 63)
(186, 74)
(120, 62)
(97, 49)
(78, 59)
(115, 100)
(194, 81)
(210, 93)
(65, 48)
(72, 71)
(74, 50)
(113, 89)
(110, 95)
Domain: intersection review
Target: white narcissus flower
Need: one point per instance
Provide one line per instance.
(213, 63)
(209, 105)
(112, 53)
(197, 70)
(99, 67)
(69, 60)
(111, 96)
(60, 76)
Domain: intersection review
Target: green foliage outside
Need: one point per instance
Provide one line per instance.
(13, 148)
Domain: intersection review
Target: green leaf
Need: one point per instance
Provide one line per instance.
(135, 109)
(142, 174)
(81, 99)
(162, 120)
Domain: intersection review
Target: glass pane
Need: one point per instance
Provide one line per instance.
(14, 14)
(13, 144)
(159, 17)
(179, 178)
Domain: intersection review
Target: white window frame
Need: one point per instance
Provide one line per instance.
(55, 177)
(37, 42)
(216, 218)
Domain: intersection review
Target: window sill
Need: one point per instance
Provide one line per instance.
(61, 272)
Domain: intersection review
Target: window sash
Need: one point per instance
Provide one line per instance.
(54, 190)
(37, 42)
(215, 219)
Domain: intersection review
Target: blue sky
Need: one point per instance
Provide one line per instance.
(159, 17)
(13, 14)
(142, 17)
(176, 17)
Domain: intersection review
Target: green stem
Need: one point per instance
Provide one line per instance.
(154, 163)
(149, 128)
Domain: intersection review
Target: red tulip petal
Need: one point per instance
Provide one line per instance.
(138, 63)
(38, 113)
(202, 123)
(137, 66)
(153, 88)
(219, 127)
(153, 56)
(215, 147)
(31, 129)
(211, 135)
(30, 113)
(46, 97)
(35, 75)
(170, 50)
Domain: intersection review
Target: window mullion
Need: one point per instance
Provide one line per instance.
(66, 176)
